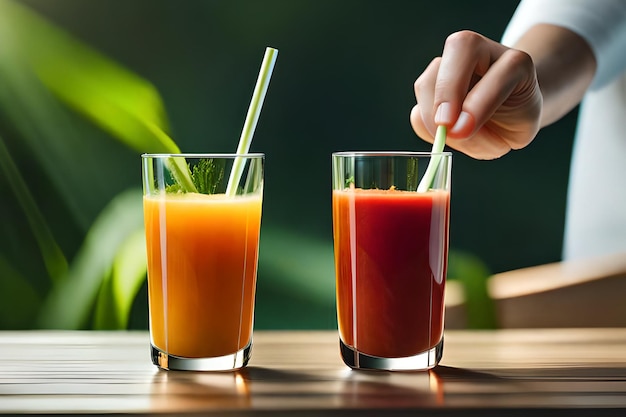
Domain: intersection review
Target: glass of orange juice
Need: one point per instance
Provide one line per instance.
(391, 214)
(202, 233)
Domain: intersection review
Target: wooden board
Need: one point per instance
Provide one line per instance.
(546, 372)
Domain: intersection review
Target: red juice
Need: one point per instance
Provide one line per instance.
(391, 250)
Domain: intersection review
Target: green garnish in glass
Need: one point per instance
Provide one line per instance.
(205, 177)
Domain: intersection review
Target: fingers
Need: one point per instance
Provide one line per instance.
(485, 147)
(417, 122)
(506, 94)
(489, 147)
(443, 86)
(486, 93)
(462, 53)
(425, 94)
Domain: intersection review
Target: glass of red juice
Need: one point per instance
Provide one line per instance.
(391, 215)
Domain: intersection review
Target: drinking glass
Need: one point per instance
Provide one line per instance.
(391, 215)
(202, 215)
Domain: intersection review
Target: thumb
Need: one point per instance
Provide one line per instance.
(419, 127)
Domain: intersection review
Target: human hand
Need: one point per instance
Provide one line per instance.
(485, 93)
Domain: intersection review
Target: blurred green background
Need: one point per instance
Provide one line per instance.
(343, 81)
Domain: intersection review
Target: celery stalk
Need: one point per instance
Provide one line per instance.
(267, 66)
(438, 145)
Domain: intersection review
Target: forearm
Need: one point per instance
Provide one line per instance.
(565, 67)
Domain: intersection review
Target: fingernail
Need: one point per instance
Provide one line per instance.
(443, 116)
(462, 123)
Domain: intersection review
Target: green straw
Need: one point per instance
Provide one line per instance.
(438, 145)
(262, 82)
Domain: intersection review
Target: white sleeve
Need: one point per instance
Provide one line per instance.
(602, 23)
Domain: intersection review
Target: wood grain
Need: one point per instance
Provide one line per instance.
(546, 372)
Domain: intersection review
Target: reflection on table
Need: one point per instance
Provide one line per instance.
(299, 372)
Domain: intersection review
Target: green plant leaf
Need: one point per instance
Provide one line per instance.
(53, 257)
(70, 302)
(411, 174)
(46, 130)
(19, 301)
(106, 316)
(473, 274)
(119, 290)
(207, 174)
(111, 96)
(41, 64)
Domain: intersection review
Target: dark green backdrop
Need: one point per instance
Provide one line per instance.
(343, 81)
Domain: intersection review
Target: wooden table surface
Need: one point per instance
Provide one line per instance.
(507, 372)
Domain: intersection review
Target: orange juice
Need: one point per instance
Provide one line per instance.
(202, 264)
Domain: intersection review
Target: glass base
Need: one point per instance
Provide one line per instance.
(420, 362)
(230, 362)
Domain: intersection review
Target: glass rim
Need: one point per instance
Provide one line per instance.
(203, 155)
(389, 153)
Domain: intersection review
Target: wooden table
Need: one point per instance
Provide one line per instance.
(508, 372)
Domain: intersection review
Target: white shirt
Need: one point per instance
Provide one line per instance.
(595, 222)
